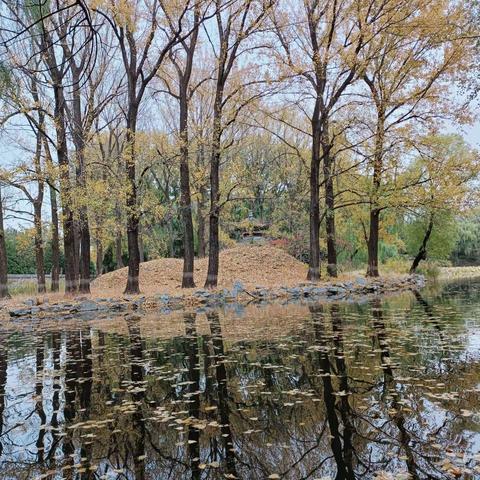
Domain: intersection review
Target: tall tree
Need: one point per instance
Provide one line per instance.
(319, 47)
(182, 60)
(3, 255)
(146, 32)
(236, 22)
(408, 79)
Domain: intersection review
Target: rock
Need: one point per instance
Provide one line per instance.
(117, 306)
(202, 293)
(87, 306)
(361, 281)
(295, 291)
(30, 302)
(20, 312)
(335, 290)
(237, 288)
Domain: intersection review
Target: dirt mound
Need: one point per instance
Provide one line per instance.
(253, 265)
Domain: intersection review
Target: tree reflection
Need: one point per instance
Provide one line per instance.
(395, 408)
(193, 394)
(138, 395)
(341, 453)
(222, 391)
(56, 345)
(40, 353)
(3, 383)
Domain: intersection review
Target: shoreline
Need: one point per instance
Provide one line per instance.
(200, 300)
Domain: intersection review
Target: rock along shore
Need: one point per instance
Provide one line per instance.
(201, 300)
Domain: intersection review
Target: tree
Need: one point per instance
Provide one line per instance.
(182, 60)
(437, 198)
(236, 23)
(3, 255)
(408, 82)
(146, 33)
(319, 48)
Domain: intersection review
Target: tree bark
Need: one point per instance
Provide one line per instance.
(202, 244)
(84, 252)
(372, 268)
(188, 280)
(118, 238)
(55, 285)
(329, 204)
(422, 251)
(140, 244)
(71, 283)
(39, 251)
(99, 259)
(213, 240)
(3, 257)
(55, 281)
(372, 247)
(185, 196)
(78, 131)
(133, 220)
(213, 235)
(314, 260)
(37, 201)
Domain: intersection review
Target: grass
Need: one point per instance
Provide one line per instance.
(25, 288)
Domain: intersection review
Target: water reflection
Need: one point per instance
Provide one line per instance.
(387, 389)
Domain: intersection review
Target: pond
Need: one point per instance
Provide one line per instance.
(387, 388)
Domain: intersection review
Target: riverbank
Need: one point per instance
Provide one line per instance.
(458, 273)
(201, 300)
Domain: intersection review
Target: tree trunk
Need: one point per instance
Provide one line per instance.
(202, 244)
(372, 268)
(213, 241)
(84, 252)
(77, 244)
(57, 74)
(39, 251)
(329, 206)
(99, 255)
(422, 251)
(37, 202)
(314, 260)
(55, 281)
(65, 191)
(118, 250)
(3, 257)
(78, 135)
(132, 287)
(140, 244)
(118, 238)
(185, 197)
(55, 285)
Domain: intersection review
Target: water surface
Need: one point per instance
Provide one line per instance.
(388, 388)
